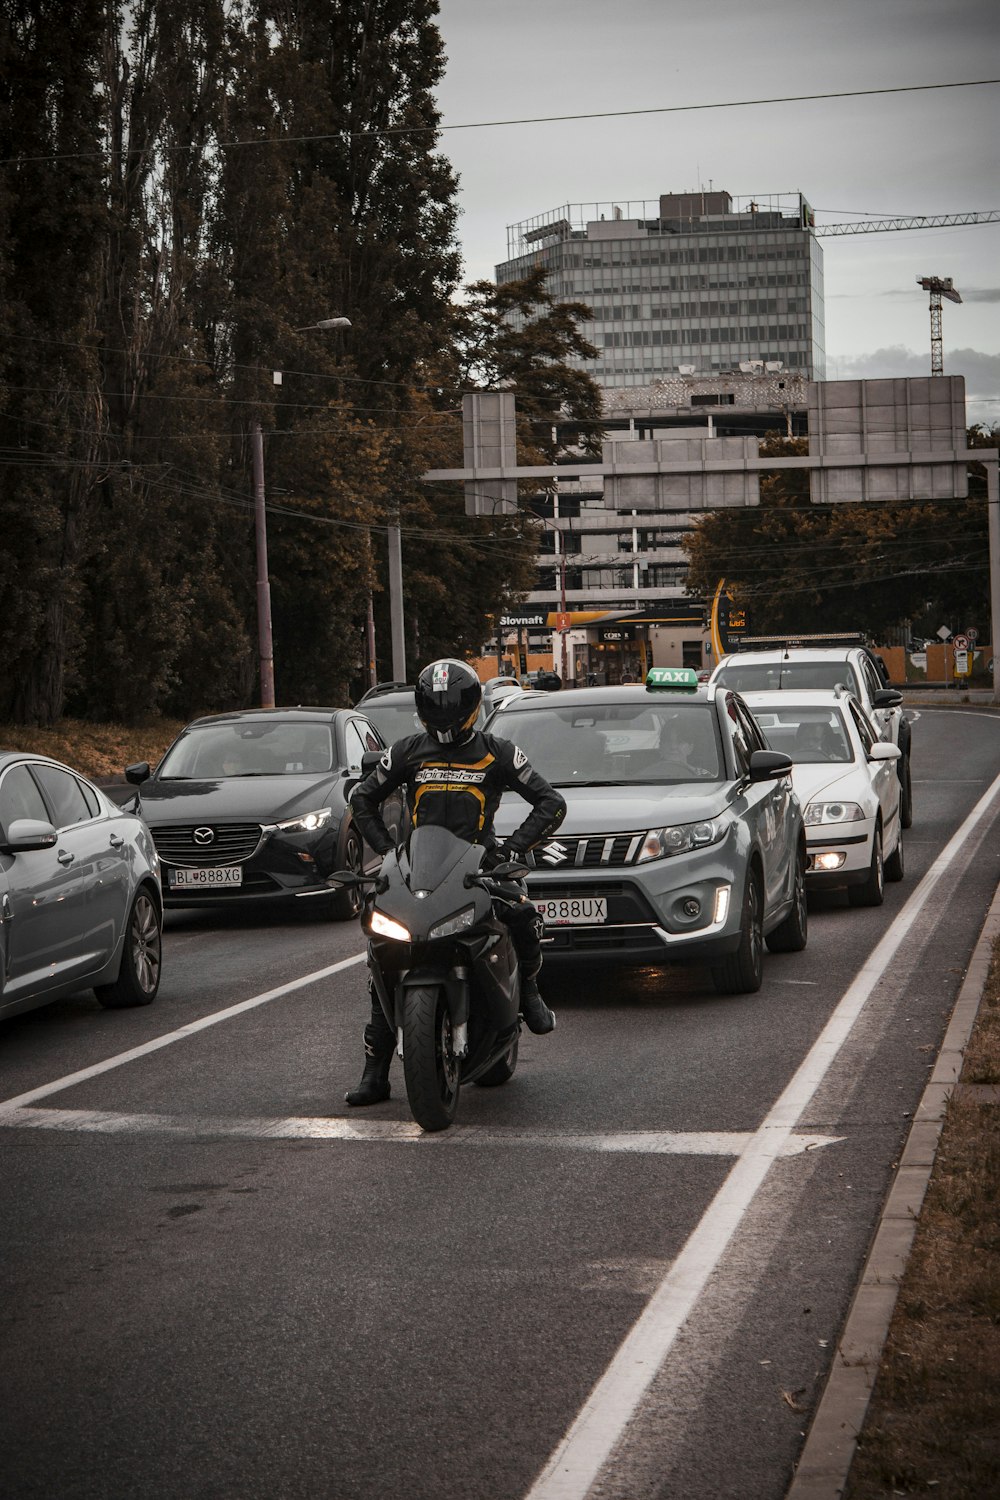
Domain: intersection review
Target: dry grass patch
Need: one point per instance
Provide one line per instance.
(933, 1425)
(100, 751)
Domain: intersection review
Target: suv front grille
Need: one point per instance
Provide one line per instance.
(588, 852)
(231, 845)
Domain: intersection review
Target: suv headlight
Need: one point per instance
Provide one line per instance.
(832, 812)
(680, 838)
(305, 822)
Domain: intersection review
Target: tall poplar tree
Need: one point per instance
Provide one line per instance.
(52, 235)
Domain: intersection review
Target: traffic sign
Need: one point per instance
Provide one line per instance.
(962, 667)
(972, 635)
(960, 642)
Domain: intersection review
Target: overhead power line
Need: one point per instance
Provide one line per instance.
(605, 114)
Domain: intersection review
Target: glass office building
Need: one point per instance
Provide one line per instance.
(696, 283)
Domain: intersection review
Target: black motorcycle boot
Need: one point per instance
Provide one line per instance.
(537, 1016)
(374, 1085)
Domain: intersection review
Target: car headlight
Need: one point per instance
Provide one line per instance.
(832, 812)
(306, 822)
(680, 838)
(451, 925)
(383, 926)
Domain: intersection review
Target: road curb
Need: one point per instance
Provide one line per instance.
(822, 1470)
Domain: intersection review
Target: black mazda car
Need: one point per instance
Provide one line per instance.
(254, 805)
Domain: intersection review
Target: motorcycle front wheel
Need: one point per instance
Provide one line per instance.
(430, 1067)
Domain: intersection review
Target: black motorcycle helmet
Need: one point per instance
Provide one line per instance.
(447, 699)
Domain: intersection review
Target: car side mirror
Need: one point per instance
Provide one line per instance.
(25, 835)
(138, 773)
(882, 750)
(887, 698)
(769, 765)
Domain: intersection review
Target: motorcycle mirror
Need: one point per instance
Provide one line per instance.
(506, 871)
(344, 877)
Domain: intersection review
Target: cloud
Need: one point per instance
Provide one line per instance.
(981, 372)
(982, 294)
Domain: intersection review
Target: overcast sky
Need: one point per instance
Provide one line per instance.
(898, 154)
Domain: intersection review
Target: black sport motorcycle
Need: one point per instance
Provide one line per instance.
(444, 967)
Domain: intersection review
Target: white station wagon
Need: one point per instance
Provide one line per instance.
(845, 778)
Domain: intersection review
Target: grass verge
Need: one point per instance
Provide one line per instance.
(933, 1424)
(100, 751)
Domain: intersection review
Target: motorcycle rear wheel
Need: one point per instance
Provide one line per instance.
(430, 1067)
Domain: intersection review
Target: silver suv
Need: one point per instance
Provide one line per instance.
(770, 663)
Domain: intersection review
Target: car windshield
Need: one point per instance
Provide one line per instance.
(808, 734)
(617, 744)
(768, 676)
(394, 718)
(249, 748)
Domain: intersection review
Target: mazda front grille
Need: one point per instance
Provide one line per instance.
(231, 843)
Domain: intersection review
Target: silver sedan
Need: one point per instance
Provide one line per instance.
(80, 901)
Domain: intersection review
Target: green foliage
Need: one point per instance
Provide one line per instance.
(201, 181)
(517, 336)
(798, 567)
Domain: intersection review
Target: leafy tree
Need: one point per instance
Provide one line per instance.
(187, 188)
(798, 567)
(357, 222)
(51, 242)
(519, 337)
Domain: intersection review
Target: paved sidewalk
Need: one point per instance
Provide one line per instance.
(942, 697)
(829, 1450)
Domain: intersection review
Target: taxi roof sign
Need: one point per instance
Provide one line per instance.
(677, 679)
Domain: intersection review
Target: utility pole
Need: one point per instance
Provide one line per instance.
(396, 601)
(938, 286)
(371, 673)
(264, 641)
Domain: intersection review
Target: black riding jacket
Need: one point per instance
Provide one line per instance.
(457, 787)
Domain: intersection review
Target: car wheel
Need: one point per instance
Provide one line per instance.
(791, 934)
(742, 972)
(139, 976)
(895, 867)
(905, 789)
(346, 904)
(872, 893)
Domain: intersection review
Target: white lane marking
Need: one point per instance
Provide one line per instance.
(326, 1128)
(191, 1029)
(580, 1456)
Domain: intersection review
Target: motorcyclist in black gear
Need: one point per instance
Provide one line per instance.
(454, 777)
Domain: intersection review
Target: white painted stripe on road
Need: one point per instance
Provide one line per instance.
(169, 1037)
(579, 1458)
(327, 1128)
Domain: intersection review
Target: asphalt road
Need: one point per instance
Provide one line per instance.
(622, 1275)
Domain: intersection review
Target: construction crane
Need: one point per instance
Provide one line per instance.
(920, 221)
(938, 286)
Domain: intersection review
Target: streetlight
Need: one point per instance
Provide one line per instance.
(265, 642)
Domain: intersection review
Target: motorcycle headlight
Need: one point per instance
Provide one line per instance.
(306, 822)
(383, 926)
(451, 925)
(832, 812)
(680, 838)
